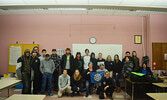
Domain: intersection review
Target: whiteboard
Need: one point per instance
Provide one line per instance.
(105, 49)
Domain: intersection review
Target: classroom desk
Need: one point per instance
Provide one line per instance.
(133, 83)
(158, 96)
(161, 85)
(7, 83)
(26, 97)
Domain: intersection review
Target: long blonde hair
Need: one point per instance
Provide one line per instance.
(79, 76)
(107, 59)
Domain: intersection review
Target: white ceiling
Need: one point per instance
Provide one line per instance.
(101, 11)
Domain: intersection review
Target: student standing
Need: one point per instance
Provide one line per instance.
(42, 57)
(127, 53)
(56, 59)
(47, 68)
(127, 67)
(135, 61)
(117, 72)
(100, 61)
(25, 71)
(86, 59)
(108, 86)
(37, 79)
(78, 63)
(89, 85)
(109, 64)
(76, 82)
(64, 83)
(36, 48)
(67, 61)
(93, 60)
(99, 84)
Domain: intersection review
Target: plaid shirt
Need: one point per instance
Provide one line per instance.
(56, 59)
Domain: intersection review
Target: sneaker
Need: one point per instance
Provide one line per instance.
(86, 95)
(51, 94)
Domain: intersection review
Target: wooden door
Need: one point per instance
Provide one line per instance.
(158, 51)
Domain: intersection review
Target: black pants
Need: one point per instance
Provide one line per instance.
(37, 82)
(55, 78)
(26, 84)
(70, 72)
(108, 91)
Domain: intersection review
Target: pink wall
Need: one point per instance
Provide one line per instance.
(61, 31)
(158, 31)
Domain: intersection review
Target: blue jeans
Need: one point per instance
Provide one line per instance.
(89, 88)
(46, 77)
(117, 78)
(75, 88)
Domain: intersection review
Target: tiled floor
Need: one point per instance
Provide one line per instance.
(116, 96)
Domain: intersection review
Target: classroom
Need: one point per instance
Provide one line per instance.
(83, 49)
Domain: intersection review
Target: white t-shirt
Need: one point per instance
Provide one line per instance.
(86, 60)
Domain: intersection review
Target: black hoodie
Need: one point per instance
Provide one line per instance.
(94, 61)
(64, 59)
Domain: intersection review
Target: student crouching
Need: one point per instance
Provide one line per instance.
(107, 87)
(76, 83)
(64, 84)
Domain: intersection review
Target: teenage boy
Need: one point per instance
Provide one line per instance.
(127, 67)
(99, 84)
(67, 61)
(36, 48)
(64, 83)
(86, 59)
(107, 87)
(100, 61)
(37, 76)
(56, 59)
(26, 71)
(42, 57)
(127, 53)
(47, 68)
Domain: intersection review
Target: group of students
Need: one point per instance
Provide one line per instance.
(75, 72)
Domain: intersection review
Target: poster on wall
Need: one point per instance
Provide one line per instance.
(138, 39)
(15, 53)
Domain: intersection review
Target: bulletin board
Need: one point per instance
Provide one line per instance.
(15, 51)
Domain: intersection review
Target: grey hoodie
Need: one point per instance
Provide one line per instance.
(47, 66)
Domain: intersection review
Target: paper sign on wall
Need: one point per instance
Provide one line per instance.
(15, 53)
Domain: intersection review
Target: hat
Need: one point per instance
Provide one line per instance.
(101, 64)
(43, 50)
(53, 49)
(34, 51)
(47, 55)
